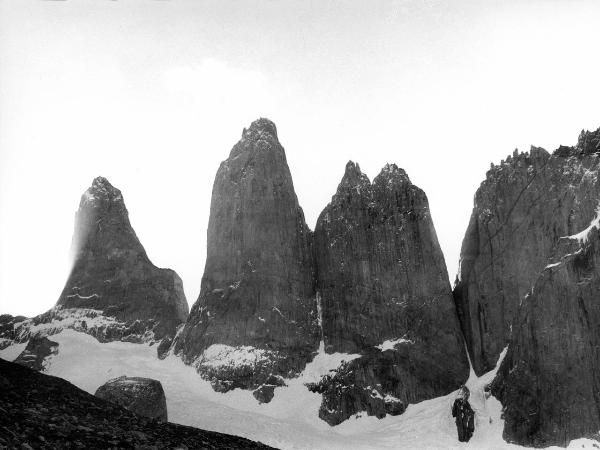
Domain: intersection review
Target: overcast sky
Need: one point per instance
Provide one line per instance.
(153, 95)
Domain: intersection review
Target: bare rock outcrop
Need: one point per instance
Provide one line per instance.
(384, 294)
(549, 382)
(255, 320)
(113, 278)
(143, 396)
(521, 211)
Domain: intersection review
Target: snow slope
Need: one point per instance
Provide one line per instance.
(290, 420)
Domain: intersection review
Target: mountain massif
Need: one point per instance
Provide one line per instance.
(113, 292)
(272, 289)
(527, 280)
(369, 287)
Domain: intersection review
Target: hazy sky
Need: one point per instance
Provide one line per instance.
(153, 95)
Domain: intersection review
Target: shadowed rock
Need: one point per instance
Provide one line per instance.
(112, 274)
(521, 211)
(256, 314)
(549, 382)
(38, 349)
(381, 276)
(143, 396)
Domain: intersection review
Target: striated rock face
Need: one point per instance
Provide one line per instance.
(255, 319)
(549, 382)
(384, 294)
(113, 277)
(143, 396)
(521, 211)
(38, 350)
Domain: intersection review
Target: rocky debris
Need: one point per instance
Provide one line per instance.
(38, 350)
(40, 411)
(256, 314)
(548, 382)
(112, 274)
(521, 211)
(384, 293)
(143, 396)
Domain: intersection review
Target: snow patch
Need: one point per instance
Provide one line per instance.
(583, 236)
(220, 356)
(290, 420)
(391, 344)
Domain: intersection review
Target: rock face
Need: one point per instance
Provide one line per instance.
(40, 411)
(143, 396)
(384, 293)
(549, 382)
(38, 349)
(112, 276)
(256, 318)
(522, 209)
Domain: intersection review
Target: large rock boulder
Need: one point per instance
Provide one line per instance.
(384, 293)
(255, 320)
(143, 396)
(521, 211)
(113, 276)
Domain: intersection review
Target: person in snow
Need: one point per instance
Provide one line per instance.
(465, 417)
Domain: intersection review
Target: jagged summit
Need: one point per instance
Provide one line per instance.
(392, 174)
(263, 125)
(353, 177)
(260, 136)
(101, 189)
(589, 141)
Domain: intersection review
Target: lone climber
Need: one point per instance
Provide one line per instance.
(465, 417)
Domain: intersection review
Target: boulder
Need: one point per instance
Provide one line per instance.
(143, 396)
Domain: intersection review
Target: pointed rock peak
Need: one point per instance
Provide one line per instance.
(260, 127)
(589, 141)
(101, 189)
(392, 174)
(353, 174)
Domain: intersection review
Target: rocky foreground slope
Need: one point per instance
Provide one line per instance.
(384, 294)
(521, 212)
(255, 320)
(41, 411)
(113, 292)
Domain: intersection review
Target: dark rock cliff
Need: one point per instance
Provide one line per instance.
(522, 209)
(255, 319)
(549, 382)
(112, 274)
(381, 276)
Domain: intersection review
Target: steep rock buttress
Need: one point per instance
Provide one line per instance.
(385, 294)
(255, 320)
